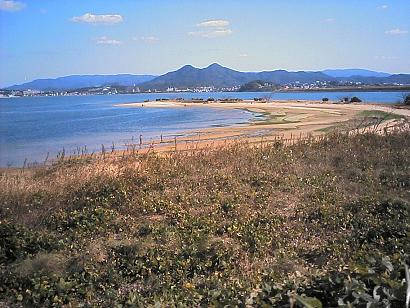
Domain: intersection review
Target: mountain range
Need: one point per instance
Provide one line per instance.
(83, 81)
(354, 72)
(222, 77)
(215, 76)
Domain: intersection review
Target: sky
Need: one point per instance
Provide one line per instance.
(52, 38)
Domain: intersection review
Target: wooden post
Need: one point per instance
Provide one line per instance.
(103, 150)
(45, 161)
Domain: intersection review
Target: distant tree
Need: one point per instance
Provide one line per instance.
(268, 97)
(355, 99)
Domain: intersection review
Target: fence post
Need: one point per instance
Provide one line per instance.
(45, 161)
(103, 151)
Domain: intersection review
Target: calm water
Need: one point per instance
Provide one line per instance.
(31, 127)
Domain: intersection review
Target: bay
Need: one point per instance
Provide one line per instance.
(32, 128)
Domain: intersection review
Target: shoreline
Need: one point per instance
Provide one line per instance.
(292, 90)
(286, 120)
(275, 119)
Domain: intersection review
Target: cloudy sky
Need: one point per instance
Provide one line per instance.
(51, 38)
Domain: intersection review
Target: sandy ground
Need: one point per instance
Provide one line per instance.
(279, 119)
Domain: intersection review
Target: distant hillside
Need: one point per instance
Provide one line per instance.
(399, 78)
(392, 79)
(83, 81)
(354, 72)
(221, 77)
(284, 77)
(258, 86)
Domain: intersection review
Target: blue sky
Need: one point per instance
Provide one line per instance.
(51, 38)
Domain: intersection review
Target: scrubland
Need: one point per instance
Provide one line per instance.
(321, 222)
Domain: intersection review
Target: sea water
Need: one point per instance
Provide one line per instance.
(33, 128)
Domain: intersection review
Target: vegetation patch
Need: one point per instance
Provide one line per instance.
(370, 119)
(314, 224)
(380, 115)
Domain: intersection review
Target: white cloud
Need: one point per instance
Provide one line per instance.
(98, 19)
(148, 39)
(383, 7)
(329, 20)
(396, 31)
(211, 33)
(11, 5)
(107, 41)
(215, 28)
(218, 23)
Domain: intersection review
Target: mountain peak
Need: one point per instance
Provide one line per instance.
(187, 67)
(215, 65)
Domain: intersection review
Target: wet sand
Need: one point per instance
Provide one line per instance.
(275, 119)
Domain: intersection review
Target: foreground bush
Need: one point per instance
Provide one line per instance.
(355, 99)
(406, 100)
(315, 224)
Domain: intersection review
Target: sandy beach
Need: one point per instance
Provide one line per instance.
(277, 119)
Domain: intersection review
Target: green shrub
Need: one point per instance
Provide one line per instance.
(355, 99)
(18, 242)
(406, 100)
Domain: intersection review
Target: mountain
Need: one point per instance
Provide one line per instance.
(83, 81)
(218, 76)
(392, 79)
(215, 76)
(284, 77)
(189, 77)
(344, 73)
(398, 78)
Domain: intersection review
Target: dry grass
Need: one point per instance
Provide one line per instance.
(205, 227)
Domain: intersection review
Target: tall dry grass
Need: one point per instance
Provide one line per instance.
(225, 225)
